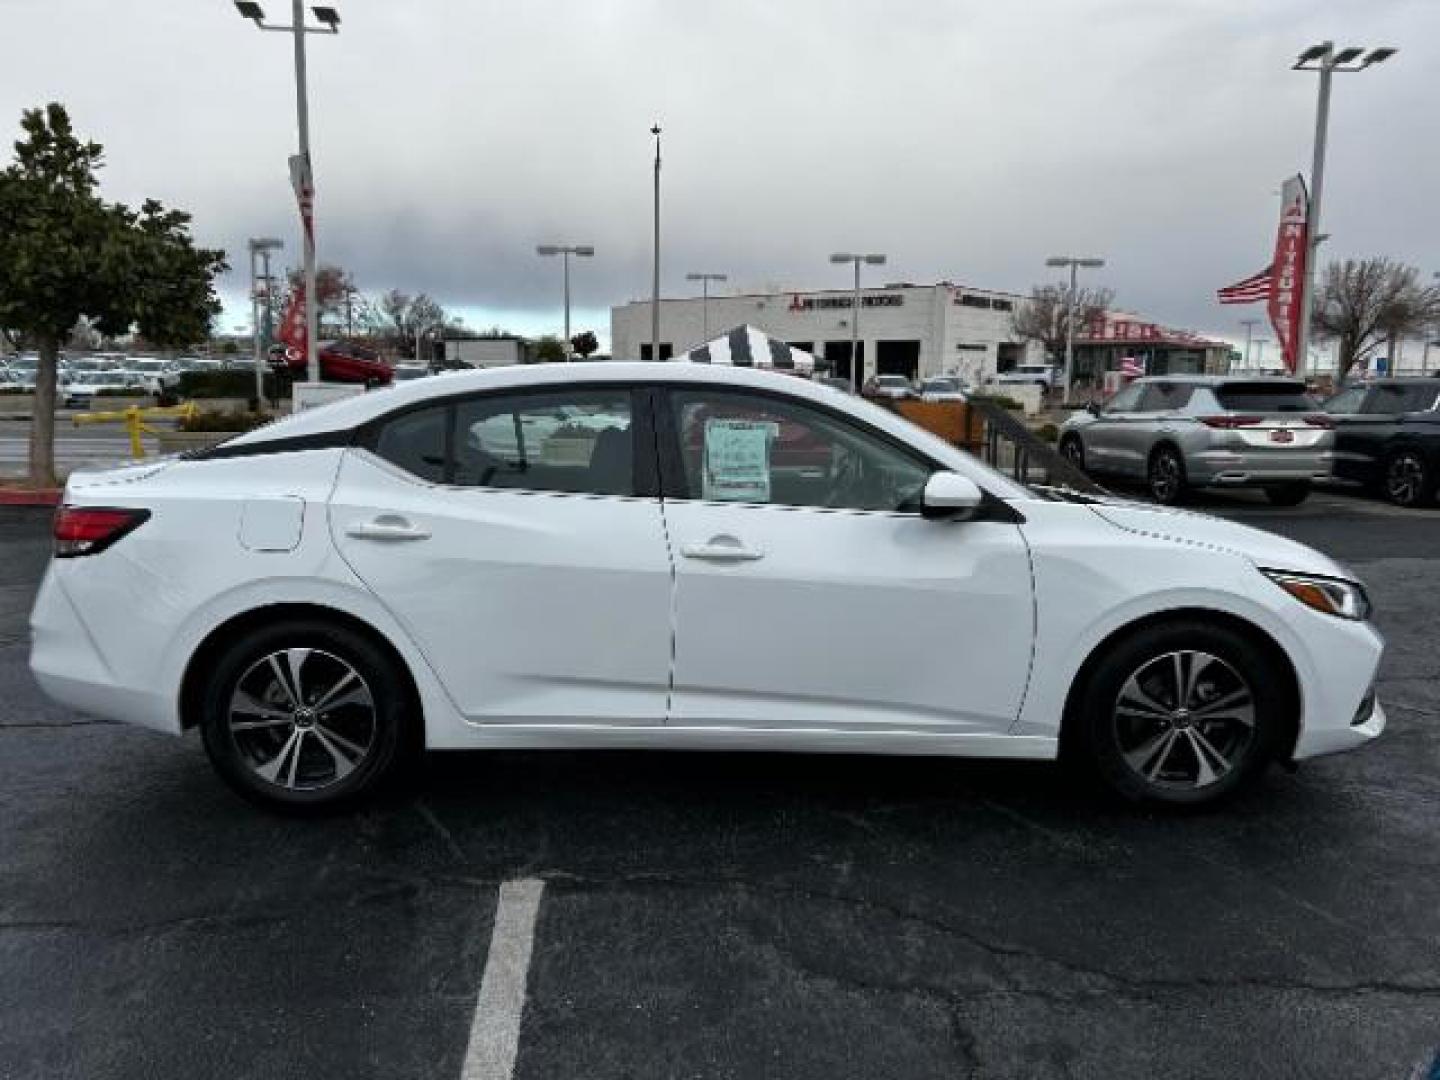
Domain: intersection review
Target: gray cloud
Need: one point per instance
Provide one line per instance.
(967, 140)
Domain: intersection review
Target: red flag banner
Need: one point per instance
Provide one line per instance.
(1287, 272)
(292, 327)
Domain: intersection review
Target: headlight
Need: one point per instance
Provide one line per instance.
(1333, 596)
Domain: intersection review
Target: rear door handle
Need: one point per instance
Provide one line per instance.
(388, 529)
(721, 549)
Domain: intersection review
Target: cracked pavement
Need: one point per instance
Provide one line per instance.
(730, 915)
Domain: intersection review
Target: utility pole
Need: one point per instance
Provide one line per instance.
(705, 280)
(1074, 263)
(655, 265)
(873, 259)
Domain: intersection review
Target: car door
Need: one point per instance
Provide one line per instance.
(810, 593)
(517, 537)
(1103, 437)
(1138, 430)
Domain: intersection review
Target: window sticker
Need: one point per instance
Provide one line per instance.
(737, 460)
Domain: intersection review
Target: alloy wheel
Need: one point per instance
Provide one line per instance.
(1405, 479)
(302, 719)
(1166, 477)
(1184, 721)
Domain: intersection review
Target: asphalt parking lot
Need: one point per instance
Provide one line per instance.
(731, 915)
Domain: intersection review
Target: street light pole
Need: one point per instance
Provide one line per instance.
(705, 280)
(1324, 59)
(302, 172)
(655, 264)
(565, 251)
(1074, 263)
(874, 259)
(260, 248)
(1249, 325)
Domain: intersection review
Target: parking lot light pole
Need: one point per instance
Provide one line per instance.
(583, 251)
(705, 280)
(872, 260)
(1074, 262)
(1324, 59)
(303, 177)
(1249, 325)
(260, 248)
(655, 263)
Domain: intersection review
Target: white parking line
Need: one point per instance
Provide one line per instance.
(495, 1027)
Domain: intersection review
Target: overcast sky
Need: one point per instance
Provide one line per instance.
(968, 140)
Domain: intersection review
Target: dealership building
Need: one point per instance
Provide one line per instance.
(911, 330)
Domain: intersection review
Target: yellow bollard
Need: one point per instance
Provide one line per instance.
(134, 418)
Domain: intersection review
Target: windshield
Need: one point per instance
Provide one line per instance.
(942, 384)
(1265, 397)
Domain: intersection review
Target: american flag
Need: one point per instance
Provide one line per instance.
(1252, 290)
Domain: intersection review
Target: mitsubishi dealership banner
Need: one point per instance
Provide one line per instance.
(1287, 272)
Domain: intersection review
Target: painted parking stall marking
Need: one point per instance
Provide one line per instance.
(495, 1027)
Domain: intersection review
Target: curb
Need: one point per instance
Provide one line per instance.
(30, 496)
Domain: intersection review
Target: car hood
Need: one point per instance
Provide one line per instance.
(1186, 527)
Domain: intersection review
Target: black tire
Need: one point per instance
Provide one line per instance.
(1288, 494)
(1165, 476)
(1407, 479)
(1073, 451)
(1113, 728)
(314, 756)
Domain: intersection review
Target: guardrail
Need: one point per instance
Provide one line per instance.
(134, 420)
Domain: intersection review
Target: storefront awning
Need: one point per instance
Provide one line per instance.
(747, 347)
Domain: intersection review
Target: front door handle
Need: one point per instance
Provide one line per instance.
(387, 528)
(721, 549)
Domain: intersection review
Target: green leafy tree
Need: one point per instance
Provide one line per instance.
(66, 254)
(549, 349)
(585, 343)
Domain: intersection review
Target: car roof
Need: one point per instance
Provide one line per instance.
(1430, 381)
(1222, 380)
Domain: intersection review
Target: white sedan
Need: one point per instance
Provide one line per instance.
(678, 556)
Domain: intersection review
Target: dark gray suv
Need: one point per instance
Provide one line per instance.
(1180, 432)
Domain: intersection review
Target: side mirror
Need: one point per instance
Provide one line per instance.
(950, 495)
(1093, 408)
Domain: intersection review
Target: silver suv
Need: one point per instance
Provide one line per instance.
(1187, 431)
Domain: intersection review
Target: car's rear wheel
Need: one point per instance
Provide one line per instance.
(1165, 476)
(305, 716)
(1073, 451)
(1183, 713)
(1408, 481)
(1288, 494)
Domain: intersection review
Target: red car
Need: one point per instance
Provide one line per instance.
(341, 362)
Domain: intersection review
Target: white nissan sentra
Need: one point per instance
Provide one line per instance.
(678, 556)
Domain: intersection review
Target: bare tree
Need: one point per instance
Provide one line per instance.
(403, 316)
(1046, 315)
(1360, 303)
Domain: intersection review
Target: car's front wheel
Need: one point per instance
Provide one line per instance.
(305, 715)
(1407, 479)
(1073, 451)
(1182, 713)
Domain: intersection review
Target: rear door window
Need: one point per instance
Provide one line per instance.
(1395, 398)
(1265, 397)
(1165, 396)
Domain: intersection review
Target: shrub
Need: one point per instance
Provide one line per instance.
(1048, 433)
(11, 388)
(122, 391)
(233, 383)
(1000, 401)
(222, 420)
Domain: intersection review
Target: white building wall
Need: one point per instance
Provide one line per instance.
(927, 314)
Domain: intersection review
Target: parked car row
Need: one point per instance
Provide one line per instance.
(80, 378)
(1175, 434)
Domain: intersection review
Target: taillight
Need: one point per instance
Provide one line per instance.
(1229, 420)
(84, 530)
(1319, 420)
